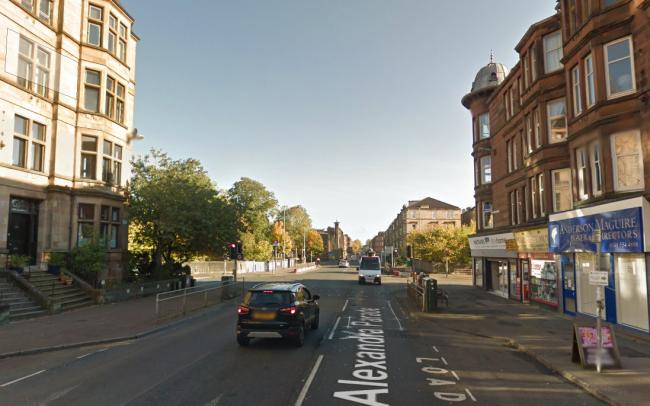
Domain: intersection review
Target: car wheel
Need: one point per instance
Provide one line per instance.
(361, 281)
(300, 338)
(243, 341)
(314, 323)
(379, 282)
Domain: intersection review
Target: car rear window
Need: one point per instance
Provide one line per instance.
(267, 298)
(369, 263)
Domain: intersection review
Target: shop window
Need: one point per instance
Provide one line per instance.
(562, 198)
(543, 282)
(628, 161)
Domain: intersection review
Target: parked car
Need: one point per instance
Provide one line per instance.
(369, 270)
(277, 310)
(343, 263)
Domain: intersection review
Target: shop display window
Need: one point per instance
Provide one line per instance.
(478, 272)
(543, 282)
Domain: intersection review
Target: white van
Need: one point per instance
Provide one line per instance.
(369, 270)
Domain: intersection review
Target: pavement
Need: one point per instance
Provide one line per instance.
(372, 347)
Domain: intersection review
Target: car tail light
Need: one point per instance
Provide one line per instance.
(242, 310)
(289, 310)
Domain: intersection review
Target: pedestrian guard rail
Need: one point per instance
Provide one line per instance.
(426, 294)
(180, 302)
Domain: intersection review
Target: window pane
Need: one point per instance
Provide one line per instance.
(484, 123)
(86, 211)
(37, 154)
(94, 34)
(117, 153)
(115, 215)
(120, 91)
(44, 10)
(92, 77)
(111, 42)
(106, 170)
(24, 72)
(629, 167)
(620, 76)
(119, 115)
(28, 4)
(105, 213)
(38, 131)
(19, 152)
(42, 81)
(117, 173)
(618, 51)
(562, 199)
(122, 50)
(91, 101)
(43, 57)
(123, 30)
(112, 21)
(108, 148)
(109, 107)
(88, 163)
(20, 125)
(115, 231)
(25, 47)
(486, 169)
(88, 143)
(95, 12)
(84, 233)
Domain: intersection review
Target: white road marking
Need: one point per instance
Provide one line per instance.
(349, 320)
(444, 360)
(309, 380)
(85, 355)
(214, 401)
(363, 383)
(338, 319)
(393, 311)
(435, 348)
(58, 395)
(345, 306)
(470, 395)
(455, 375)
(23, 378)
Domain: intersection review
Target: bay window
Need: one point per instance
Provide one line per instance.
(92, 88)
(619, 67)
(556, 111)
(589, 81)
(486, 170)
(486, 212)
(33, 67)
(581, 163)
(484, 126)
(575, 91)
(552, 52)
(28, 144)
(627, 158)
(561, 186)
(596, 169)
(540, 188)
(95, 25)
(533, 196)
(88, 157)
(538, 128)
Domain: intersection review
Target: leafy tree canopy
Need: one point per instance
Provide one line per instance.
(254, 205)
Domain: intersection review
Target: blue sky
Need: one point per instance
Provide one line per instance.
(347, 107)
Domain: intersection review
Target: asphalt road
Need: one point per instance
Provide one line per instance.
(368, 350)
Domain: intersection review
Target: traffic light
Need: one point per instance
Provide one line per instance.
(240, 250)
(233, 250)
(409, 252)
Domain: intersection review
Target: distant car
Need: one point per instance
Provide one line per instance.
(277, 310)
(343, 263)
(369, 270)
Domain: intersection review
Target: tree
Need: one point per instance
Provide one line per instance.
(177, 211)
(314, 242)
(254, 249)
(442, 244)
(356, 246)
(282, 237)
(298, 223)
(253, 205)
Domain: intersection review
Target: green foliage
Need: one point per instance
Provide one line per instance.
(298, 223)
(356, 246)
(176, 212)
(441, 244)
(253, 207)
(57, 259)
(18, 261)
(88, 260)
(256, 250)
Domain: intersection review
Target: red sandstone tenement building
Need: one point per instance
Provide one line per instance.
(560, 145)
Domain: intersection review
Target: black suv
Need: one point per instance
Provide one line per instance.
(277, 310)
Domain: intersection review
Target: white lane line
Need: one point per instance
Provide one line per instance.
(364, 383)
(435, 348)
(23, 378)
(338, 319)
(455, 375)
(85, 355)
(308, 382)
(470, 395)
(444, 360)
(393, 311)
(345, 306)
(349, 320)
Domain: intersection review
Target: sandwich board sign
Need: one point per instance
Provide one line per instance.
(585, 347)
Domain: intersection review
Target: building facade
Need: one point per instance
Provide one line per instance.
(419, 215)
(377, 242)
(335, 242)
(559, 145)
(67, 91)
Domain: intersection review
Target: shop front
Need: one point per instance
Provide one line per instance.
(537, 275)
(621, 256)
(494, 261)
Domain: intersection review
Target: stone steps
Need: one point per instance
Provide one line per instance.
(21, 306)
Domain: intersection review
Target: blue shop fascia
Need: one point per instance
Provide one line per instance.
(624, 256)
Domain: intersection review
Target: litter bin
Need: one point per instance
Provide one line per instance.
(228, 289)
(431, 294)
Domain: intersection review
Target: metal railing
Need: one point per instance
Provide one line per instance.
(182, 301)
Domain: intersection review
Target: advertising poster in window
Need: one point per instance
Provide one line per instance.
(543, 282)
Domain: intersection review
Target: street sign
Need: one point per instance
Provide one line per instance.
(598, 278)
(585, 347)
